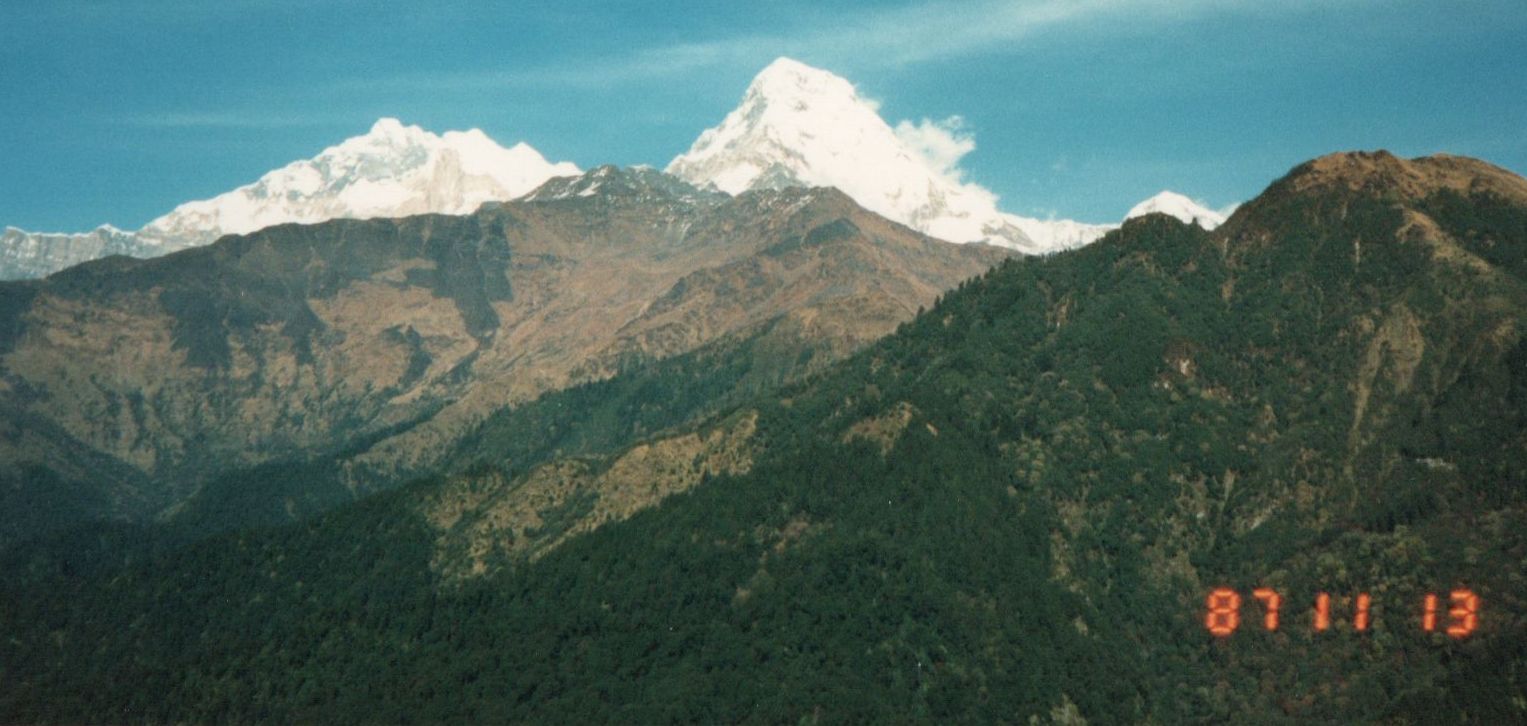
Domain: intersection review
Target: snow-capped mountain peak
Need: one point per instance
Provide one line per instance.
(1179, 206)
(794, 122)
(392, 170)
(791, 86)
(803, 126)
(391, 128)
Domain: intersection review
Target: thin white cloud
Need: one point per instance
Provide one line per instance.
(235, 120)
(933, 30)
(860, 38)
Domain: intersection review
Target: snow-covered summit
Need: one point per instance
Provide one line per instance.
(803, 126)
(1179, 206)
(393, 170)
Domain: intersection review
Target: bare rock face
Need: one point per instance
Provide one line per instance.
(28, 255)
(388, 339)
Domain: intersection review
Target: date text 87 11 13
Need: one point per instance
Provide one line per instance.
(1458, 618)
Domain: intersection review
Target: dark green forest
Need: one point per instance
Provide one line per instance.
(1092, 442)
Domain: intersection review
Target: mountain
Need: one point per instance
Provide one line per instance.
(1178, 206)
(796, 126)
(391, 171)
(381, 343)
(802, 126)
(1011, 509)
(26, 254)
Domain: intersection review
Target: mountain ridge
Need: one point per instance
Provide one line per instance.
(796, 126)
(1010, 509)
(269, 346)
(393, 170)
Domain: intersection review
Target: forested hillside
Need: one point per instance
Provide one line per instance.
(1013, 509)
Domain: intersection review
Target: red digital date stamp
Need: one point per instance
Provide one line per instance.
(1224, 611)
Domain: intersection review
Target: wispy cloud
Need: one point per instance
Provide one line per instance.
(908, 34)
(234, 120)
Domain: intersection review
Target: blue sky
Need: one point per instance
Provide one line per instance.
(117, 111)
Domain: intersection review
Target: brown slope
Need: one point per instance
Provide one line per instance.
(830, 275)
(1412, 179)
(300, 340)
(1422, 192)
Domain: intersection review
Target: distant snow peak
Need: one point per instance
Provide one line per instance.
(1181, 207)
(803, 126)
(26, 254)
(392, 170)
(387, 126)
